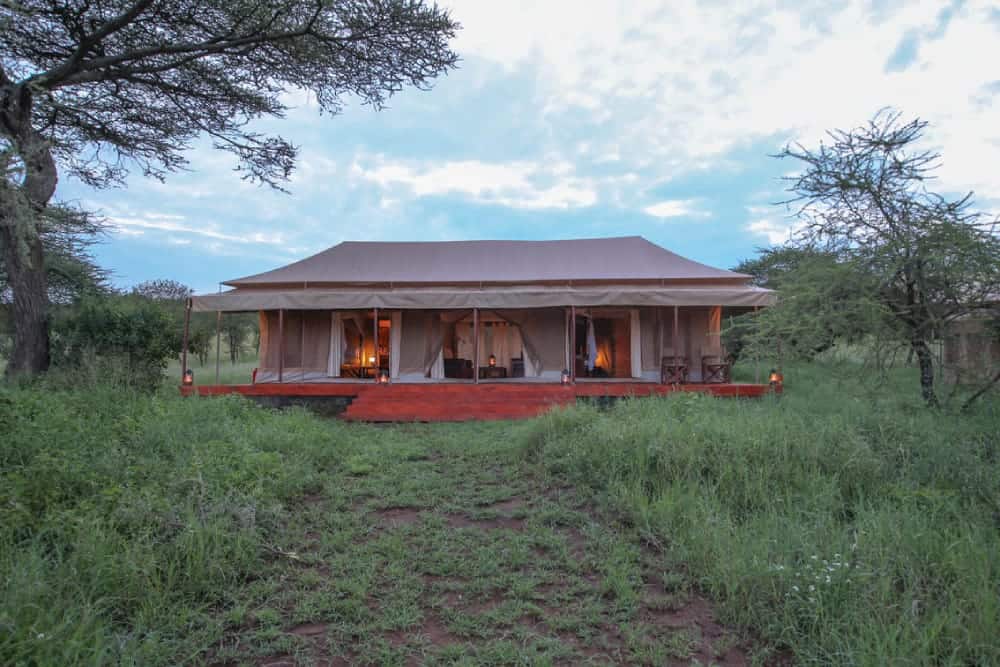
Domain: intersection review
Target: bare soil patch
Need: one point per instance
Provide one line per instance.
(309, 629)
(398, 516)
(497, 523)
(508, 506)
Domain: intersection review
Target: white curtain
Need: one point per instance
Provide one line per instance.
(529, 367)
(464, 344)
(500, 343)
(516, 346)
(437, 368)
(395, 338)
(338, 345)
(436, 328)
(635, 351)
(591, 344)
(517, 321)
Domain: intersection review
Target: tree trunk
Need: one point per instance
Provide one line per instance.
(925, 360)
(21, 208)
(27, 280)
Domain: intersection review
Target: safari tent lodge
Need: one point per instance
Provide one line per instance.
(607, 311)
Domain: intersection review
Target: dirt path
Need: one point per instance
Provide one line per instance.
(451, 554)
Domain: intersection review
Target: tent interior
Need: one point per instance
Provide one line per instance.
(603, 343)
(530, 344)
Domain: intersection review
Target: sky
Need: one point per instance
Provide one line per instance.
(569, 119)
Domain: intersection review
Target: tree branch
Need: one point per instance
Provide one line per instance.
(99, 69)
(982, 390)
(54, 76)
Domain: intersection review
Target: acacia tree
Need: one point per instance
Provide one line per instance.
(864, 198)
(163, 290)
(826, 286)
(94, 88)
(67, 234)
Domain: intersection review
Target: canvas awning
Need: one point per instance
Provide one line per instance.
(253, 299)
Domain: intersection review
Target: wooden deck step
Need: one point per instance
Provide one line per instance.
(402, 402)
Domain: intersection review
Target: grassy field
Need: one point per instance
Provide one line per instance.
(843, 521)
(837, 525)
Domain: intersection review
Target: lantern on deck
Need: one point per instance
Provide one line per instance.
(383, 376)
(188, 378)
(493, 360)
(565, 377)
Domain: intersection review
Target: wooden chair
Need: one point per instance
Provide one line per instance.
(715, 368)
(673, 368)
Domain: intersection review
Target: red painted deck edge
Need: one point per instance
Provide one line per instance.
(464, 402)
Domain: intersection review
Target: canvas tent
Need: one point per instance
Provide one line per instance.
(971, 345)
(436, 311)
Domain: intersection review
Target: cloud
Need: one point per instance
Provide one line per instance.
(524, 185)
(676, 208)
(765, 223)
(682, 83)
(136, 225)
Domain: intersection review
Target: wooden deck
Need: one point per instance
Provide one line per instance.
(425, 402)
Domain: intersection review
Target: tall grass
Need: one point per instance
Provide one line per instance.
(848, 528)
(126, 520)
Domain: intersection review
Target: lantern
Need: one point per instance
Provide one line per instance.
(188, 379)
(565, 377)
(493, 360)
(383, 376)
(776, 378)
(371, 360)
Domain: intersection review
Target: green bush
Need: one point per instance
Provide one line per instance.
(851, 530)
(126, 339)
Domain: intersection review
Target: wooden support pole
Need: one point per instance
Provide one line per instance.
(302, 347)
(281, 345)
(779, 353)
(659, 334)
(674, 343)
(184, 341)
(218, 343)
(378, 360)
(756, 356)
(475, 345)
(572, 344)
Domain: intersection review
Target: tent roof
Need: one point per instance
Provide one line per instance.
(625, 258)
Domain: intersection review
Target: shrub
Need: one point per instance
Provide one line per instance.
(125, 339)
